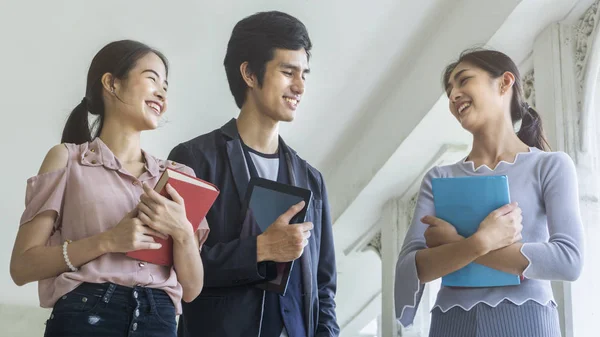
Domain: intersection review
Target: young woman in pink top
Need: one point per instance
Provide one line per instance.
(92, 201)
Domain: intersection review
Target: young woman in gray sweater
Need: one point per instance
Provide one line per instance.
(538, 237)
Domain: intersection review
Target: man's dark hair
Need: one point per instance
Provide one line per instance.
(254, 40)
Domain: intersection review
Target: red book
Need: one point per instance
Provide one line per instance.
(199, 197)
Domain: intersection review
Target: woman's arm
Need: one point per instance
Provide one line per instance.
(433, 263)
(508, 259)
(169, 217)
(32, 260)
(499, 229)
(561, 258)
(188, 265)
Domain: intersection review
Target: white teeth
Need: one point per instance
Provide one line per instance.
(291, 100)
(154, 106)
(463, 106)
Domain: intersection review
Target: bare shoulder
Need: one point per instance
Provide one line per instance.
(56, 159)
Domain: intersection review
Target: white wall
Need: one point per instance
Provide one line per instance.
(46, 53)
(22, 321)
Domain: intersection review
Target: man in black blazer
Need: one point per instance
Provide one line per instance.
(266, 66)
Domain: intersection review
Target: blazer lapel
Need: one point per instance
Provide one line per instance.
(237, 160)
(299, 177)
(239, 167)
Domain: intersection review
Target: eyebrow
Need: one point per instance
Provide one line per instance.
(155, 73)
(456, 76)
(293, 67)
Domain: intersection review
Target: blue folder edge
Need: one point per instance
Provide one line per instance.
(470, 199)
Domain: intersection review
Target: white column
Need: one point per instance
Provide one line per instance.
(395, 219)
(393, 228)
(558, 91)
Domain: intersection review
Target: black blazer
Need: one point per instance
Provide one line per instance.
(229, 304)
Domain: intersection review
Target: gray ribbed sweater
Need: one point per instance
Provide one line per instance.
(545, 186)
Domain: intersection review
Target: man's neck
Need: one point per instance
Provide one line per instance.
(258, 131)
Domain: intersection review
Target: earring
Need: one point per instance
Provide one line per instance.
(502, 90)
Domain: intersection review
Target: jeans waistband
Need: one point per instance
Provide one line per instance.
(110, 292)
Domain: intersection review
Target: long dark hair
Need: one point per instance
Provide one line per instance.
(496, 64)
(116, 58)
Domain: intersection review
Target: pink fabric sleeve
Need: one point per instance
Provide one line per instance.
(202, 232)
(203, 229)
(44, 192)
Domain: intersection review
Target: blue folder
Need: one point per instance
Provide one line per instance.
(464, 202)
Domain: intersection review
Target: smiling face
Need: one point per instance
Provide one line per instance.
(141, 97)
(282, 87)
(475, 98)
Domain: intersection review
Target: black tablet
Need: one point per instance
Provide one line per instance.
(265, 201)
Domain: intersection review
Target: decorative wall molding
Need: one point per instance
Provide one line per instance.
(587, 71)
(408, 212)
(529, 88)
(584, 37)
(375, 244)
(410, 207)
(567, 66)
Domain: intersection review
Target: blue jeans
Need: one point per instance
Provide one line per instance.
(112, 310)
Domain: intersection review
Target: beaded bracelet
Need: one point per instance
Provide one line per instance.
(69, 264)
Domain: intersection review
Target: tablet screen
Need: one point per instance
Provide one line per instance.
(267, 205)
